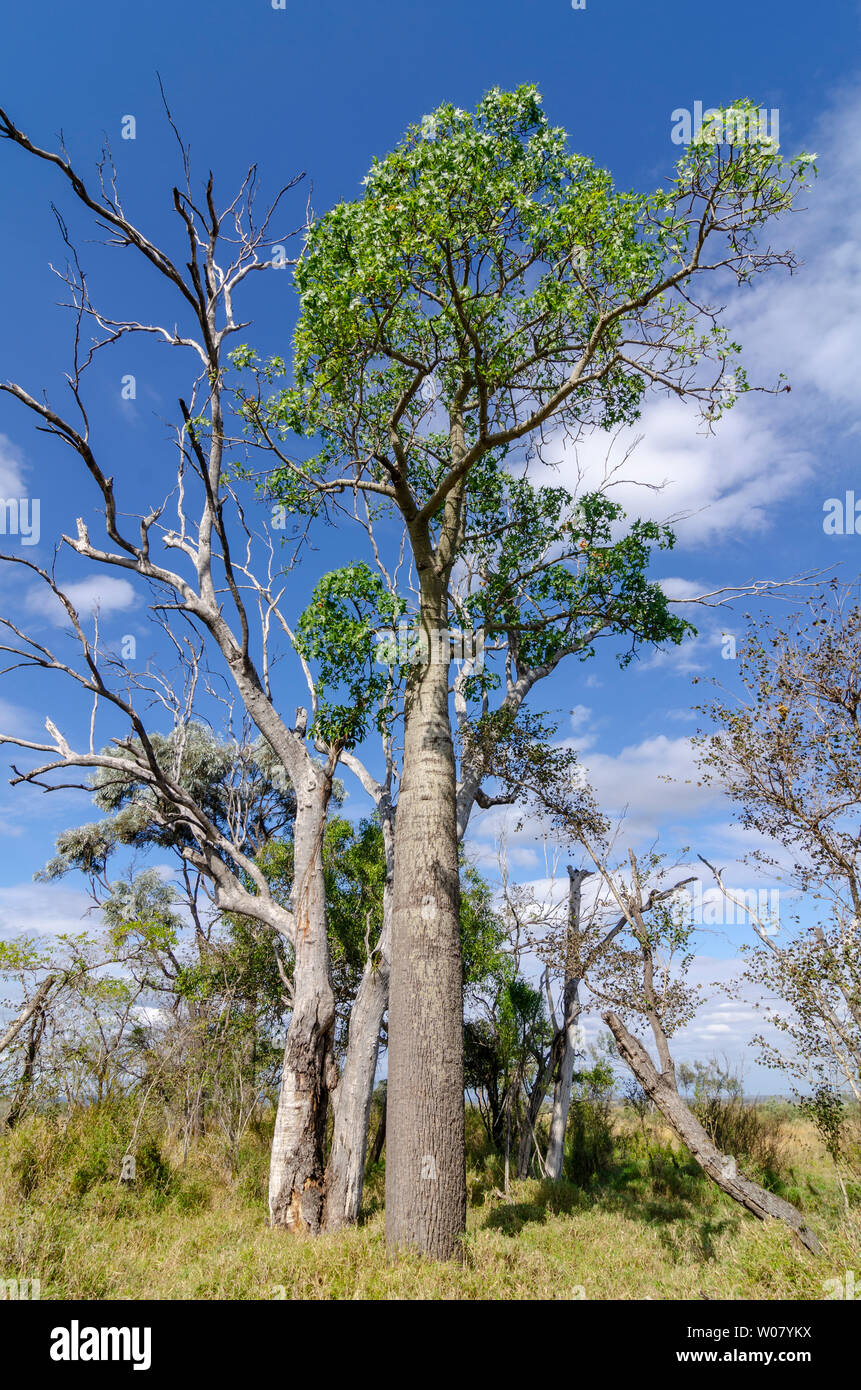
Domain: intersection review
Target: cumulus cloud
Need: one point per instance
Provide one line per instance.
(655, 779)
(11, 469)
(102, 591)
(682, 589)
(707, 485)
(813, 320)
(47, 909)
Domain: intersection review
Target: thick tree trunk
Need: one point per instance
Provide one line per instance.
(721, 1168)
(425, 1163)
(570, 1031)
(297, 1165)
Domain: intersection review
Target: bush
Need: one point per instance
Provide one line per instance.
(590, 1140)
(751, 1134)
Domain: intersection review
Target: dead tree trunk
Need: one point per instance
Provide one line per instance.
(25, 1081)
(297, 1164)
(570, 1030)
(721, 1168)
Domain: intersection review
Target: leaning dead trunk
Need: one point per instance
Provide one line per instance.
(570, 1030)
(425, 1164)
(25, 1081)
(297, 1164)
(721, 1168)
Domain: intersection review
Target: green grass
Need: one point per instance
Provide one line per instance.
(650, 1225)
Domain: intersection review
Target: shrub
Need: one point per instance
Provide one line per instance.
(591, 1144)
(751, 1134)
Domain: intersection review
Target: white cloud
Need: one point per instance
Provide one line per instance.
(720, 485)
(103, 592)
(809, 325)
(47, 909)
(656, 779)
(655, 783)
(11, 469)
(15, 719)
(680, 589)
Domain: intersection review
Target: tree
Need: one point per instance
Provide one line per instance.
(214, 575)
(447, 322)
(645, 977)
(787, 751)
(218, 985)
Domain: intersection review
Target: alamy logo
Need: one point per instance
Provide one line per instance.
(16, 1289)
(730, 127)
(841, 1288)
(712, 908)
(842, 516)
(410, 645)
(20, 516)
(76, 1343)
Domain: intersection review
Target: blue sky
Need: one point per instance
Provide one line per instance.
(321, 89)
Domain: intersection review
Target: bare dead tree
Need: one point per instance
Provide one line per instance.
(191, 568)
(640, 979)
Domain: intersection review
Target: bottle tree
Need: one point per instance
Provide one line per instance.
(490, 294)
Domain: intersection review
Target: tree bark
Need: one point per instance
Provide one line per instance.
(27, 1012)
(570, 1040)
(425, 1164)
(345, 1173)
(296, 1170)
(721, 1168)
(25, 1081)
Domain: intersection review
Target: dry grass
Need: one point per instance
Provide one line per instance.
(652, 1228)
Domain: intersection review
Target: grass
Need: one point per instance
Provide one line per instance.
(649, 1225)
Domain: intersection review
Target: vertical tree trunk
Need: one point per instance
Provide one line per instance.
(570, 1040)
(345, 1173)
(425, 1164)
(297, 1163)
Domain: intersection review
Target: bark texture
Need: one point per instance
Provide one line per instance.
(346, 1170)
(425, 1154)
(721, 1168)
(345, 1174)
(296, 1170)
